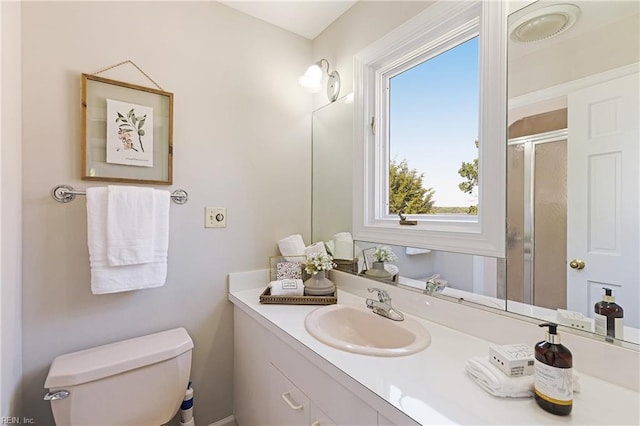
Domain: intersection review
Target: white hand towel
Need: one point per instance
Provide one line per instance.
(494, 381)
(288, 287)
(315, 248)
(111, 279)
(293, 245)
(130, 225)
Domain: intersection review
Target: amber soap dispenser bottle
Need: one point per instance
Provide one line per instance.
(609, 316)
(553, 373)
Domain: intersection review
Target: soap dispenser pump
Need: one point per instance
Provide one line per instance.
(553, 373)
(608, 316)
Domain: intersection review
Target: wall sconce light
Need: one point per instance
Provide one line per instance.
(312, 80)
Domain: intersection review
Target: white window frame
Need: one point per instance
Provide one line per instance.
(435, 30)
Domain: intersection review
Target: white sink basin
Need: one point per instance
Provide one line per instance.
(359, 330)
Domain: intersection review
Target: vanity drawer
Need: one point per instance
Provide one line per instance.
(288, 406)
(336, 401)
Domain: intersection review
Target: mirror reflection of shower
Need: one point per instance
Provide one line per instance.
(537, 210)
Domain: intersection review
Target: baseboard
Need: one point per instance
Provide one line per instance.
(227, 421)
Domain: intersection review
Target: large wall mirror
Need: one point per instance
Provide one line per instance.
(572, 157)
(331, 170)
(572, 174)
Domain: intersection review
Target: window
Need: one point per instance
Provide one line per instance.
(433, 87)
(433, 133)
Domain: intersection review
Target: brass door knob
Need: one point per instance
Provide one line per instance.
(577, 264)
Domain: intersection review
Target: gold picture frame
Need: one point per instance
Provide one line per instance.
(127, 132)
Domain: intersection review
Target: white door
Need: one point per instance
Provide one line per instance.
(602, 205)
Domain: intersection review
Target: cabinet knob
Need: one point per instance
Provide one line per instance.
(577, 264)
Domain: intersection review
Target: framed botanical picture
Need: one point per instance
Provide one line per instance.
(127, 132)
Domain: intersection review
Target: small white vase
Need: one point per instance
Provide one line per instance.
(378, 271)
(378, 265)
(319, 285)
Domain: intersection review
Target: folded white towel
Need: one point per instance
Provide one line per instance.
(111, 279)
(315, 248)
(287, 287)
(293, 246)
(494, 381)
(130, 225)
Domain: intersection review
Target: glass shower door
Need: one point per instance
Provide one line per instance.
(537, 220)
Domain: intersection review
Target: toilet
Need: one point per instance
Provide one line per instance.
(135, 382)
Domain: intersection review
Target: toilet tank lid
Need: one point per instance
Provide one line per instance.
(103, 361)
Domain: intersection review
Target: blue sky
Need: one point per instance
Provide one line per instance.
(434, 120)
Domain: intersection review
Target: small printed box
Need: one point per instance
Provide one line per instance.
(513, 360)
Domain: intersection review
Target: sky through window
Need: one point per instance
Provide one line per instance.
(433, 120)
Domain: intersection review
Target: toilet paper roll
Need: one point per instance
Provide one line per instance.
(343, 250)
(315, 248)
(343, 236)
(293, 245)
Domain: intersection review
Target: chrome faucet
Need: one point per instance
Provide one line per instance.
(382, 306)
(433, 286)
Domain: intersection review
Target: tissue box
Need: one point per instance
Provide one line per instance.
(287, 268)
(513, 360)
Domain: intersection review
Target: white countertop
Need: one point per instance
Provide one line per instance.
(431, 386)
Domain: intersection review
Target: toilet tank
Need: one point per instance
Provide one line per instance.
(135, 382)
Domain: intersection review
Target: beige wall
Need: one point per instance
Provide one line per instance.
(241, 140)
(10, 212)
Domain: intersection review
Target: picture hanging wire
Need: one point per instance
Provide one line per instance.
(128, 61)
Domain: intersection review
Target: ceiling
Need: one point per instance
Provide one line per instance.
(307, 18)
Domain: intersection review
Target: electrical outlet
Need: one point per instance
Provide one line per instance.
(215, 217)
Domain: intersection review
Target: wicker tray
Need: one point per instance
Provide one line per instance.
(347, 265)
(266, 297)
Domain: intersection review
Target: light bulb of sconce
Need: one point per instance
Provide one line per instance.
(311, 80)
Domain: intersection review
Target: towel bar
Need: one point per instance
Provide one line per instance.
(66, 193)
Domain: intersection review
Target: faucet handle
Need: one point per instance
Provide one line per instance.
(383, 296)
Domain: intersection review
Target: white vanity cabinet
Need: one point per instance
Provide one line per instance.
(275, 384)
(289, 406)
(318, 418)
